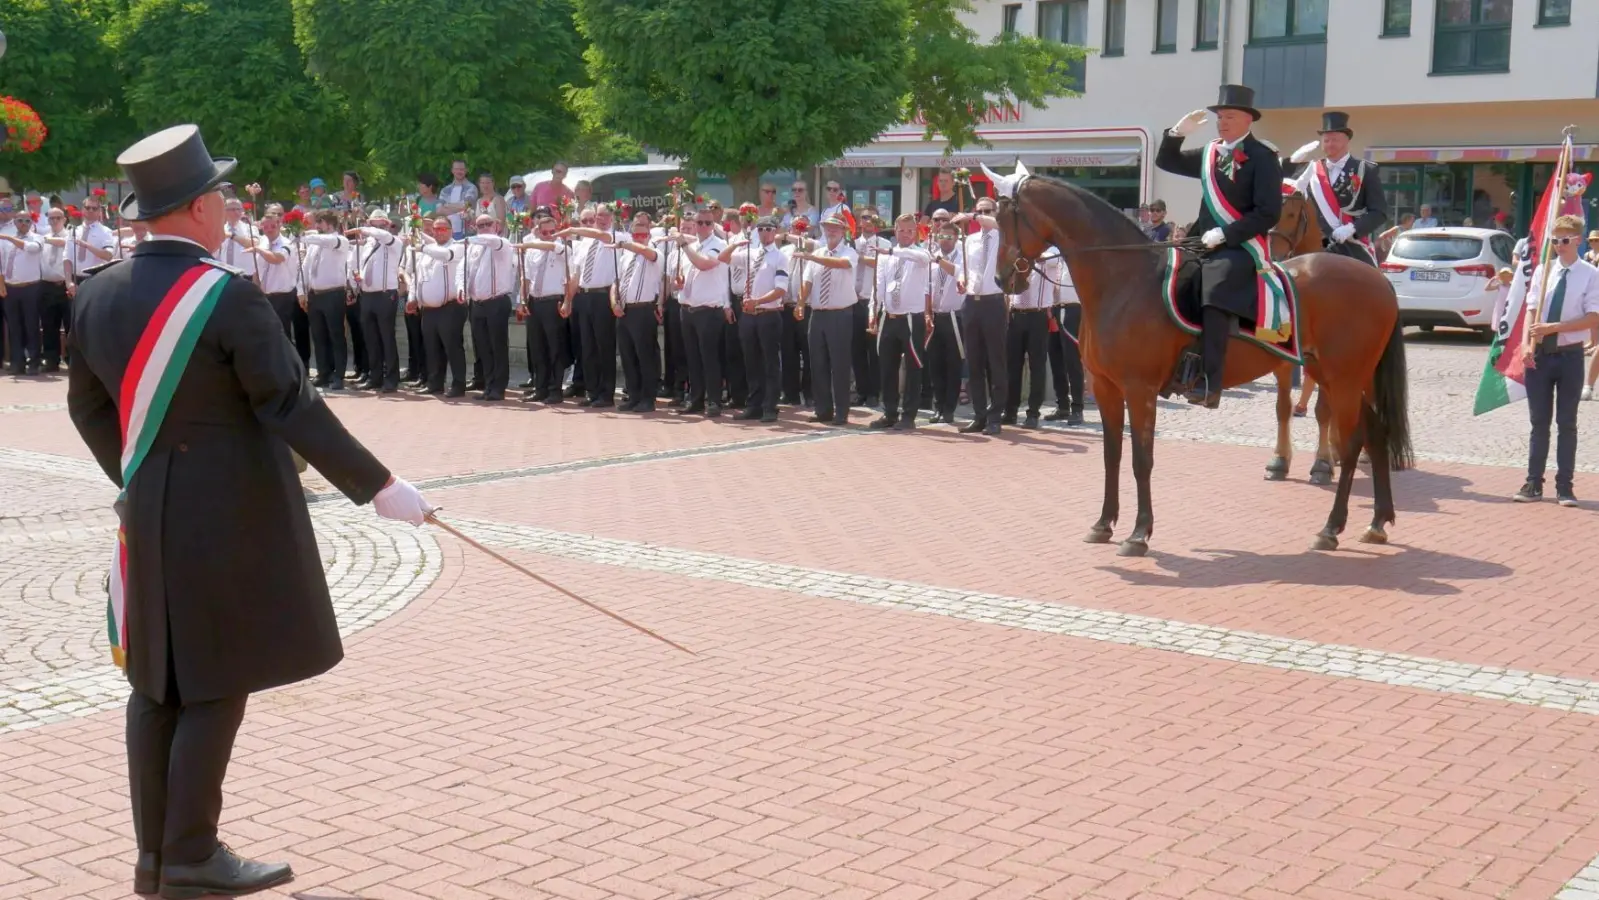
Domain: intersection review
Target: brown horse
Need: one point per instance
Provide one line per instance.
(1298, 232)
(1349, 332)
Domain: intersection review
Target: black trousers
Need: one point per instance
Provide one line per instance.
(738, 383)
(574, 341)
(984, 322)
(326, 312)
(443, 333)
(491, 338)
(416, 351)
(943, 363)
(638, 337)
(548, 350)
(674, 368)
(702, 344)
(1066, 360)
(864, 353)
(1028, 335)
(832, 342)
(358, 349)
(761, 337)
(22, 325)
(1554, 385)
(597, 342)
(378, 310)
(901, 339)
(1216, 327)
(285, 304)
(796, 358)
(178, 756)
(54, 311)
(302, 335)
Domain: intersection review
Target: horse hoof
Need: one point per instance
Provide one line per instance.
(1374, 536)
(1277, 469)
(1324, 542)
(1099, 534)
(1131, 547)
(1322, 477)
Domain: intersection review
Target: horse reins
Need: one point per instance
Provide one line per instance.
(1293, 240)
(1022, 265)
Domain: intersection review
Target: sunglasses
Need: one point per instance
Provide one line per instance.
(766, 228)
(1563, 241)
(768, 190)
(703, 224)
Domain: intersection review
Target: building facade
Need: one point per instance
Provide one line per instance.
(1463, 101)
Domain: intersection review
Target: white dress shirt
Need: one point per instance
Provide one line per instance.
(545, 271)
(946, 287)
(705, 287)
(1335, 168)
(596, 262)
(282, 277)
(96, 235)
(797, 274)
(982, 249)
(1039, 293)
(437, 274)
(1066, 293)
(490, 267)
(378, 259)
(1581, 298)
(327, 263)
(865, 248)
(55, 259)
(640, 281)
(23, 264)
(832, 288)
(770, 264)
(904, 281)
(232, 253)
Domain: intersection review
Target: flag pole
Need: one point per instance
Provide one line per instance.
(1562, 169)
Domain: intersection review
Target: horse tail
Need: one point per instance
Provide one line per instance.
(1389, 402)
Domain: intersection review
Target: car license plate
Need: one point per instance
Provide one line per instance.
(1424, 275)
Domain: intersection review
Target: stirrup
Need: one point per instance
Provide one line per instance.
(1190, 368)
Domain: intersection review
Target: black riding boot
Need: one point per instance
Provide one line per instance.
(1217, 327)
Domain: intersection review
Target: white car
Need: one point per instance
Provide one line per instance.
(1442, 275)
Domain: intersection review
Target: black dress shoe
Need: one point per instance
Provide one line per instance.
(1057, 416)
(603, 403)
(883, 423)
(643, 407)
(454, 392)
(906, 424)
(1008, 419)
(818, 417)
(526, 384)
(495, 397)
(474, 385)
(625, 407)
(975, 426)
(532, 397)
(992, 429)
(319, 381)
(33, 370)
(225, 873)
(336, 386)
(147, 874)
(713, 410)
(1031, 421)
(389, 389)
(576, 390)
(585, 402)
(693, 409)
(1075, 418)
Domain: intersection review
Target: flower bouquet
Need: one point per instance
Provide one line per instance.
(294, 222)
(748, 213)
(25, 131)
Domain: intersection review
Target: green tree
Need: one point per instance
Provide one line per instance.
(435, 80)
(741, 88)
(57, 62)
(231, 67)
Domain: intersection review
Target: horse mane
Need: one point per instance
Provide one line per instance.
(1108, 219)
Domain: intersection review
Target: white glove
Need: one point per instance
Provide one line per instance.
(1213, 238)
(1343, 233)
(402, 502)
(1305, 152)
(1190, 123)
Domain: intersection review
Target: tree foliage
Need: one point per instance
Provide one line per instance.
(57, 62)
(745, 87)
(952, 75)
(231, 67)
(430, 81)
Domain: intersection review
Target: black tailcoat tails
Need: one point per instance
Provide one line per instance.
(1227, 274)
(225, 579)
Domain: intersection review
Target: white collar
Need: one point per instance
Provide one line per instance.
(1225, 145)
(154, 236)
(1338, 163)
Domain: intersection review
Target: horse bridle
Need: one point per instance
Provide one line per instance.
(1292, 240)
(1022, 265)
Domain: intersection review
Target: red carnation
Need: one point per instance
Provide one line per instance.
(34, 216)
(97, 192)
(249, 206)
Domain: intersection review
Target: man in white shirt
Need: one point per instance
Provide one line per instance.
(906, 315)
(436, 289)
(238, 237)
(278, 261)
(637, 293)
(733, 374)
(377, 260)
(23, 267)
(761, 325)
(1563, 303)
(1028, 336)
(868, 290)
(327, 265)
(705, 311)
(1065, 360)
(546, 269)
(490, 278)
(829, 293)
(594, 263)
(985, 320)
(946, 351)
(53, 290)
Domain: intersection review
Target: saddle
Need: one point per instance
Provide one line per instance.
(1180, 293)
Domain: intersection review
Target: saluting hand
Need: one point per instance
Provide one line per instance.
(1190, 123)
(1305, 152)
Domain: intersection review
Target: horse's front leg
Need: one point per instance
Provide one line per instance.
(1349, 432)
(1141, 409)
(1326, 438)
(1277, 469)
(1111, 415)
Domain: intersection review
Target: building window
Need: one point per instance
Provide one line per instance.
(1291, 21)
(1396, 18)
(1115, 28)
(1207, 27)
(1554, 12)
(1165, 26)
(1471, 36)
(1010, 13)
(1066, 21)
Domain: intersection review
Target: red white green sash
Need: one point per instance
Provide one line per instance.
(1271, 302)
(1321, 190)
(152, 378)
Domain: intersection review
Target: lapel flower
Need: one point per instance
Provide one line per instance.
(1239, 156)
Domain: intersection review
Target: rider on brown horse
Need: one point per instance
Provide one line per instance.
(1243, 182)
(1346, 192)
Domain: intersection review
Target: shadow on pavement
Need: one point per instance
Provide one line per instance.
(1410, 570)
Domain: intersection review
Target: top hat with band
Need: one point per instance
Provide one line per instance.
(1335, 121)
(1239, 97)
(168, 170)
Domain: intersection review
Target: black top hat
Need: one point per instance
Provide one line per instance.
(1236, 96)
(1335, 121)
(167, 170)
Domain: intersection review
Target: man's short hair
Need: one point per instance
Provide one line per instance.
(1573, 224)
(1157, 206)
(428, 179)
(325, 215)
(905, 217)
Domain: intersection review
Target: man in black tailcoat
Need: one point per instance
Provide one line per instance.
(1248, 178)
(224, 589)
(1346, 192)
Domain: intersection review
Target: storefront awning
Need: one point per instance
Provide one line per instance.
(1511, 153)
(1033, 156)
(864, 161)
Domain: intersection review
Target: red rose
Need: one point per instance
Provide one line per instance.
(97, 192)
(1239, 156)
(248, 207)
